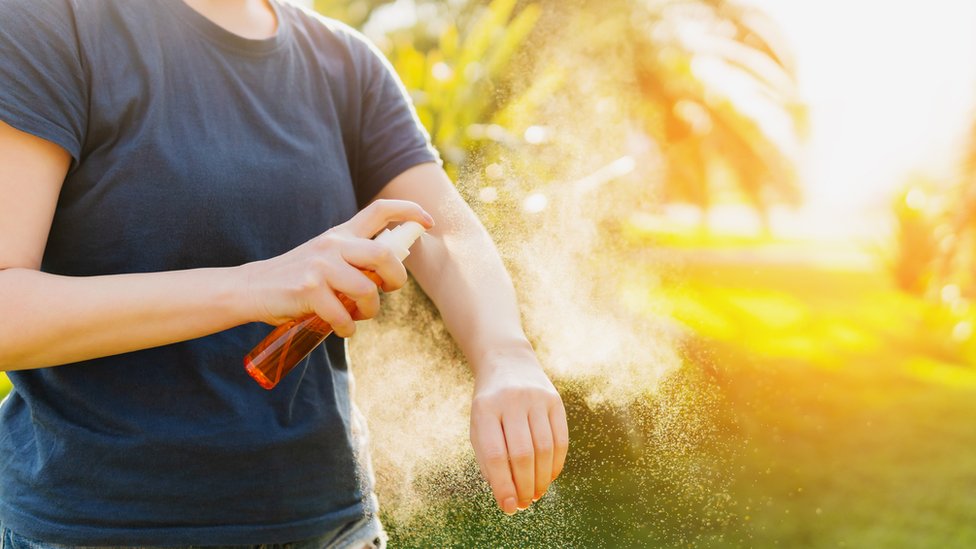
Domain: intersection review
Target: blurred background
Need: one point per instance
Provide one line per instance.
(743, 236)
(744, 239)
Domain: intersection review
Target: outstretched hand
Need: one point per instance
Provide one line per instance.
(518, 423)
(518, 430)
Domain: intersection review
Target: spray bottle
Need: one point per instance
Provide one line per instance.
(291, 342)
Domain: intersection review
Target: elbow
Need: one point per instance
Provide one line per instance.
(12, 321)
(9, 358)
(7, 363)
(12, 359)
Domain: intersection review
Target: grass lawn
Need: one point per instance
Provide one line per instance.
(837, 412)
(853, 403)
(818, 407)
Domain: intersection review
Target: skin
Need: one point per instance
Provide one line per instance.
(518, 423)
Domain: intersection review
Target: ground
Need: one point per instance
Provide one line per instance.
(822, 406)
(817, 406)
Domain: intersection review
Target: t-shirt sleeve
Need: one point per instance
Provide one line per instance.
(42, 84)
(391, 137)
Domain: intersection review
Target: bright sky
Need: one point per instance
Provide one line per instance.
(891, 87)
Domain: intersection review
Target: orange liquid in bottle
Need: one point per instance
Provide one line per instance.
(291, 342)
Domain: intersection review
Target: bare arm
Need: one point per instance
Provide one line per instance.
(46, 320)
(518, 423)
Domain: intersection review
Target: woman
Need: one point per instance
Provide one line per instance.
(167, 170)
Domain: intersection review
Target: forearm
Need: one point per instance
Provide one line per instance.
(518, 422)
(46, 320)
(459, 268)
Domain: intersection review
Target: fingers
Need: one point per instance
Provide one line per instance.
(376, 257)
(521, 454)
(560, 437)
(291, 285)
(329, 309)
(356, 289)
(373, 218)
(543, 446)
(489, 439)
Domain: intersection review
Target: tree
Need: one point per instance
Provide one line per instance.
(720, 97)
(351, 12)
(709, 81)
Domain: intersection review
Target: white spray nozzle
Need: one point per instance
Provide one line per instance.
(401, 237)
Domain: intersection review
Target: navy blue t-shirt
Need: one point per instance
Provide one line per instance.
(192, 147)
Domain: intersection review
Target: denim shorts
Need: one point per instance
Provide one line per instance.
(366, 533)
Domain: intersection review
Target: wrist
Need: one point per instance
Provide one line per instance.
(242, 295)
(516, 351)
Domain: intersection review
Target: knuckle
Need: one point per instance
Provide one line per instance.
(561, 444)
(494, 455)
(318, 265)
(327, 240)
(518, 394)
(316, 270)
(368, 307)
(392, 284)
(369, 209)
(481, 405)
(310, 281)
(544, 447)
(336, 316)
(382, 206)
(560, 440)
(502, 491)
(331, 317)
(521, 454)
(362, 290)
(368, 287)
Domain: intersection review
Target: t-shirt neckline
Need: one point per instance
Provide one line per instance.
(227, 39)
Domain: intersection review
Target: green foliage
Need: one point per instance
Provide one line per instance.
(458, 84)
(713, 82)
(814, 385)
(352, 12)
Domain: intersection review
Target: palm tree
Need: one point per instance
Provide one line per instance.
(714, 83)
(720, 98)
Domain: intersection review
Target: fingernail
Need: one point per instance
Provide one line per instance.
(508, 507)
(523, 505)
